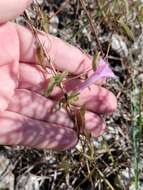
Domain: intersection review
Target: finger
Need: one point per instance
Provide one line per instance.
(97, 99)
(19, 130)
(62, 55)
(94, 124)
(9, 9)
(9, 56)
(37, 107)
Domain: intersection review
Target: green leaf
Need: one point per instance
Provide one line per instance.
(73, 96)
(55, 81)
(50, 87)
(95, 60)
(45, 22)
(140, 14)
(127, 29)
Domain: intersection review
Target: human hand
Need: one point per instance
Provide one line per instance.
(25, 115)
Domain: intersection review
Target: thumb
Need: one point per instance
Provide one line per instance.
(10, 9)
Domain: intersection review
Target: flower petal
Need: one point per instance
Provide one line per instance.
(103, 71)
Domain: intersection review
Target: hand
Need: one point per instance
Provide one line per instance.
(25, 115)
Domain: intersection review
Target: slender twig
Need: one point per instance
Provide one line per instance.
(59, 10)
(99, 47)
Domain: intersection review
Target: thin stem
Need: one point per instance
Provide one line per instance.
(99, 47)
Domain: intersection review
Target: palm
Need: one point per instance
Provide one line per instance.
(25, 114)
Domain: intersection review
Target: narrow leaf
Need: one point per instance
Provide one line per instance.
(126, 28)
(50, 87)
(59, 77)
(80, 117)
(140, 14)
(40, 55)
(55, 81)
(44, 22)
(95, 60)
(73, 96)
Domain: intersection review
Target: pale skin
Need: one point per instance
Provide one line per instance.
(25, 116)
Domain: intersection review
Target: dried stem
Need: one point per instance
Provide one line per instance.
(59, 10)
(99, 47)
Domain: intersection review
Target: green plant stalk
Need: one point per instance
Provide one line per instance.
(136, 135)
(136, 102)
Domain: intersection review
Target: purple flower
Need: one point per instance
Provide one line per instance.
(102, 71)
